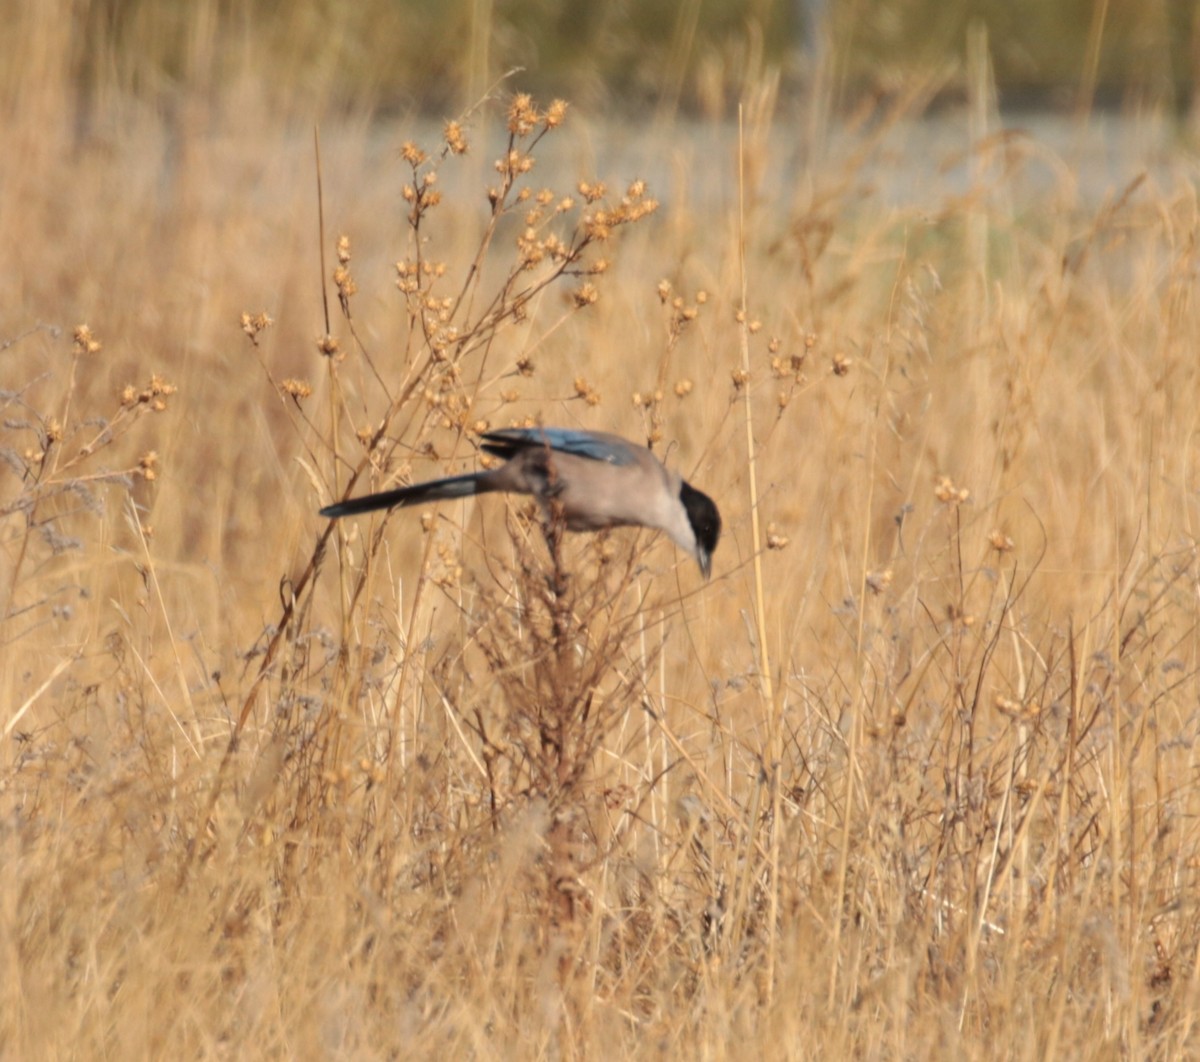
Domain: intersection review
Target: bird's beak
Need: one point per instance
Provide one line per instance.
(704, 559)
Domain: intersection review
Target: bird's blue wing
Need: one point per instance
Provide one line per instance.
(610, 448)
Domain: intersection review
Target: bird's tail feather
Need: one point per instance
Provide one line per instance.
(417, 494)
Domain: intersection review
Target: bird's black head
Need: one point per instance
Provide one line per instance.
(706, 523)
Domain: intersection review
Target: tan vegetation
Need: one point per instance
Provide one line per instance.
(913, 776)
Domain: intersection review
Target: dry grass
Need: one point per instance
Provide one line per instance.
(449, 784)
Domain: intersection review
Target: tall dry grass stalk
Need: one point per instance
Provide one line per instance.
(912, 776)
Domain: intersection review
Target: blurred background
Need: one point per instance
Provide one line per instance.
(430, 57)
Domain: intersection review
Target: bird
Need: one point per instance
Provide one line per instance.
(595, 479)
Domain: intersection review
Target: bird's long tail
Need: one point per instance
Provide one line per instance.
(417, 494)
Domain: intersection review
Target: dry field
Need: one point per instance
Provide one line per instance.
(913, 776)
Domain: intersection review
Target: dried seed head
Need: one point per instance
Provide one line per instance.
(522, 115)
(586, 391)
(878, 582)
(345, 283)
(297, 389)
(252, 325)
(957, 616)
(585, 295)
(945, 491)
(597, 226)
(555, 113)
(456, 141)
(1015, 710)
(343, 249)
(412, 154)
(591, 192)
(1000, 542)
(683, 388)
(85, 341)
